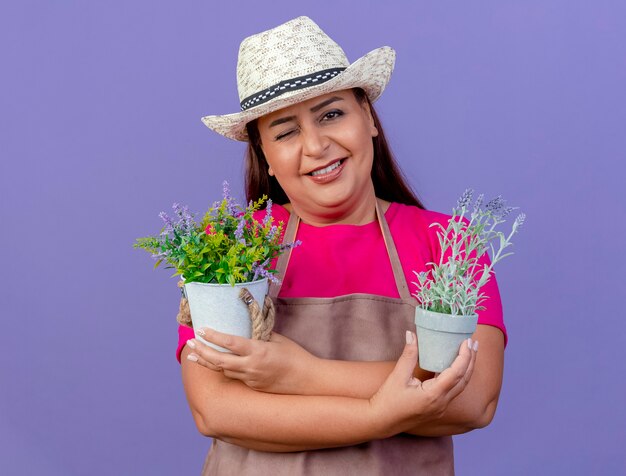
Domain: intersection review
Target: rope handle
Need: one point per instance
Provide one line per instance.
(262, 320)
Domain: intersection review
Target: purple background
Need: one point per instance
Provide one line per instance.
(100, 130)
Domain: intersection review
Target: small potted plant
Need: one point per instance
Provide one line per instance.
(448, 294)
(226, 251)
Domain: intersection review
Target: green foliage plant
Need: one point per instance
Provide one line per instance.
(228, 246)
(452, 286)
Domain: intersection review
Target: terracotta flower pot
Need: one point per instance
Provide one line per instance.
(219, 307)
(439, 337)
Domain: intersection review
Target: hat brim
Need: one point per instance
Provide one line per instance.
(371, 72)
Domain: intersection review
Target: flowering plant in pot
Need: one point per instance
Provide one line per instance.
(449, 292)
(226, 251)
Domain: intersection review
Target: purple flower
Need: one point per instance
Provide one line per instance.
(268, 212)
(272, 232)
(464, 200)
(239, 230)
(162, 255)
(261, 271)
(289, 246)
(495, 205)
(497, 208)
(506, 211)
(231, 205)
(169, 224)
(185, 219)
(479, 201)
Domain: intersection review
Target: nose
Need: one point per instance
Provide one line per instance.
(314, 142)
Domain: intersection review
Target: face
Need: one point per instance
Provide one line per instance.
(321, 153)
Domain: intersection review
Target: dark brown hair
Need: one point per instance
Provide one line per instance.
(389, 181)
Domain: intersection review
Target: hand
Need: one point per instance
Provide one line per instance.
(277, 366)
(403, 401)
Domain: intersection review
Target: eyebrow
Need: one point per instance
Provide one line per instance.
(321, 105)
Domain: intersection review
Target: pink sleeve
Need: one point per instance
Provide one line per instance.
(492, 315)
(184, 334)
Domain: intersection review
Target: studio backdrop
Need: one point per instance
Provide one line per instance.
(100, 131)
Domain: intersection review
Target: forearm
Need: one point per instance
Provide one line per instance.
(362, 380)
(459, 418)
(350, 378)
(300, 423)
(474, 408)
(296, 423)
(333, 402)
(229, 410)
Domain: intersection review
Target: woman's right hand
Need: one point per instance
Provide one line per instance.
(279, 365)
(403, 402)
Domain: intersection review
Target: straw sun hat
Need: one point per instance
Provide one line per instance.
(292, 63)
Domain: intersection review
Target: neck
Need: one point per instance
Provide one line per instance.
(361, 212)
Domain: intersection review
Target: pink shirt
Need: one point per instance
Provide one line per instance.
(337, 260)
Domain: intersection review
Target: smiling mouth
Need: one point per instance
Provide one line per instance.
(326, 170)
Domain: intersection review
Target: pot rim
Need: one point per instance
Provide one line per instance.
(445, 315)
(217, 285)
(437, 321)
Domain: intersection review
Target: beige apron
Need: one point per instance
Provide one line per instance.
(352, 327)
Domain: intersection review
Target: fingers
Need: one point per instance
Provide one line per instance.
(464, 381)
(403, 371)
(453, 380)
(214, 359)
(195, 357)
(236, 344)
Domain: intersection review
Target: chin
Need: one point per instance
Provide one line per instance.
(337, 200)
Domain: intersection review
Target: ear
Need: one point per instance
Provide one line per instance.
(372, 125)
(270, 171)
(373, 129)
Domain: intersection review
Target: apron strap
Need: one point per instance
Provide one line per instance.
(283, 259)
(396, 266)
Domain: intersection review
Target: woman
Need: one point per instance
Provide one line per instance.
(336, 390)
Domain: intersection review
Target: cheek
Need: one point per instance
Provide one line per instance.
(281, 162)
(361, 143)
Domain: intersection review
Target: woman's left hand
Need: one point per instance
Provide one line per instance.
(277, 366)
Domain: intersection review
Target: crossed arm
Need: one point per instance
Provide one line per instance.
(275, 396)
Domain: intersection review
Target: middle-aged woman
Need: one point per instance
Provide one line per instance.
(336, 390)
